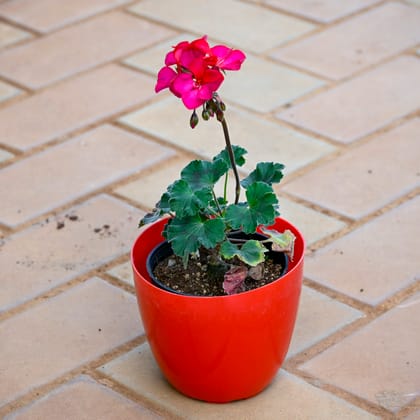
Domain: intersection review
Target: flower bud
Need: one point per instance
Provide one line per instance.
(205, 115)
(222, 106)
(212, 104)
(194, 120)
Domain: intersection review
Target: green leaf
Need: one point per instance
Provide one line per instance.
(251, 252)
(150, 217)
(203, 174)
(187, 234)
(185, 202)
(163, 204)
(238, 152)
(239, 216)
(260, 209)
(267, 172)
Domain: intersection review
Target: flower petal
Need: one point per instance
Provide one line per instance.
(212, 78)
(170, 59)
(197, 67)
(165, 78)
(227, 58)
(191, 99)
(205, 92)
(182, 83)
(178, 49)
(201, 44)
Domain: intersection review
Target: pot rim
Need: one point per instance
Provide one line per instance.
(295, 266)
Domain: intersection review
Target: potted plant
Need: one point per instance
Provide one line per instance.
(218, 282)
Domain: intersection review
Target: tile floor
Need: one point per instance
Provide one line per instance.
(330, 88)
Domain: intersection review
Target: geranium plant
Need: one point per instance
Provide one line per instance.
(200, 221)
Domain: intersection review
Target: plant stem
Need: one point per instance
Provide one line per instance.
(225, 187)
(232, 159)
(217, 203)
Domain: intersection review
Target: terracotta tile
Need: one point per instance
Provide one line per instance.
(356, 44)
(55, 251)
(9, 35)
(47, 15)
(216, 18)
(313, 224)
(7, 91)
(322, 11)
(263, 86)
(362, 105)
(72, 169)
(361, 176)
(71, 105)
(78, 48)
(123, 272)
(319, 316)
(380, 362)
(64, 332)
(148, 189)
(374, 261)
(264, 140)
(287, 397)
(82, 398)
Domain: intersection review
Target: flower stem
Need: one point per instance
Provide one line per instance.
(217, 203)
(225, 187)
(232, 159)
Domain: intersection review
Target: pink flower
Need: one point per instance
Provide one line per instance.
(198, 70)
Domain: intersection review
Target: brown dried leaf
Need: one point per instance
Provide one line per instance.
(234, 279)
(256, 272)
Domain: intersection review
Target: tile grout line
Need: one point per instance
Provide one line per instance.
(308, 19)
(106, 380)
(89, 367)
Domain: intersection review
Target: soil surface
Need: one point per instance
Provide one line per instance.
(194, 280)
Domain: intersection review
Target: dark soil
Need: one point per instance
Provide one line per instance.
(194, 280)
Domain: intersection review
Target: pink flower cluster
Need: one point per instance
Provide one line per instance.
(198, 70)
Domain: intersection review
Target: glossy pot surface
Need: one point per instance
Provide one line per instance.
(224, 348)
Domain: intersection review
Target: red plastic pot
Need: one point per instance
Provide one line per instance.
(224, 348)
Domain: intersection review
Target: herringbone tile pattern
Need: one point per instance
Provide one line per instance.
(330, 88)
